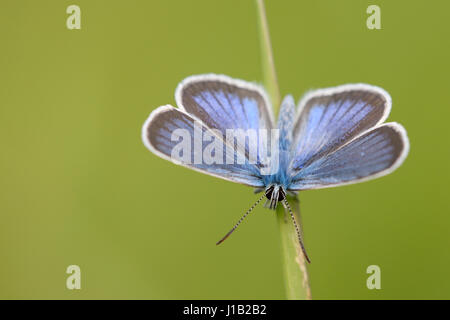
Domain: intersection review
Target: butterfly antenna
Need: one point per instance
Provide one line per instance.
(240, 220)
(286, 203)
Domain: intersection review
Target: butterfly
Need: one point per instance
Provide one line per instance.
(336, 136)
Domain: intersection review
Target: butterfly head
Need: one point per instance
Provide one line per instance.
(274, 193)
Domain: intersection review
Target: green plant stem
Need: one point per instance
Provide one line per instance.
(295, 265)
(295, 269)
(268, 64)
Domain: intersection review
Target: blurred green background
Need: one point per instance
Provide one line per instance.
(77, 186)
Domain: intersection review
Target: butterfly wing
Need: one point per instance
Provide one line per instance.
(327, 152)
(223, 103)
(168, 128)
(376, 153)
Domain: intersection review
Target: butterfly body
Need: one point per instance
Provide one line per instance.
(335, 136)
(285, 126)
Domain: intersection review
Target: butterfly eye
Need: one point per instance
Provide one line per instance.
(280, 191)
(269, 192)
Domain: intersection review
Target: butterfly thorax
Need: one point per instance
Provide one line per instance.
(279, 173)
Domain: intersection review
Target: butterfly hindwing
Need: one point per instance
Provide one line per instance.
(167, 126)
(375, 153)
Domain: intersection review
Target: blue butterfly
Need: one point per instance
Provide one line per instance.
(335, 137)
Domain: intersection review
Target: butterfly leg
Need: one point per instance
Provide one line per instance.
(292, 193)
(285, 213)
(258, 190)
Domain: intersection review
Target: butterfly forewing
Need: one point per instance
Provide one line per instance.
(226, 104)
(329, 118)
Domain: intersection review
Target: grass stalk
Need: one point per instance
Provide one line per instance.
(295, 266)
